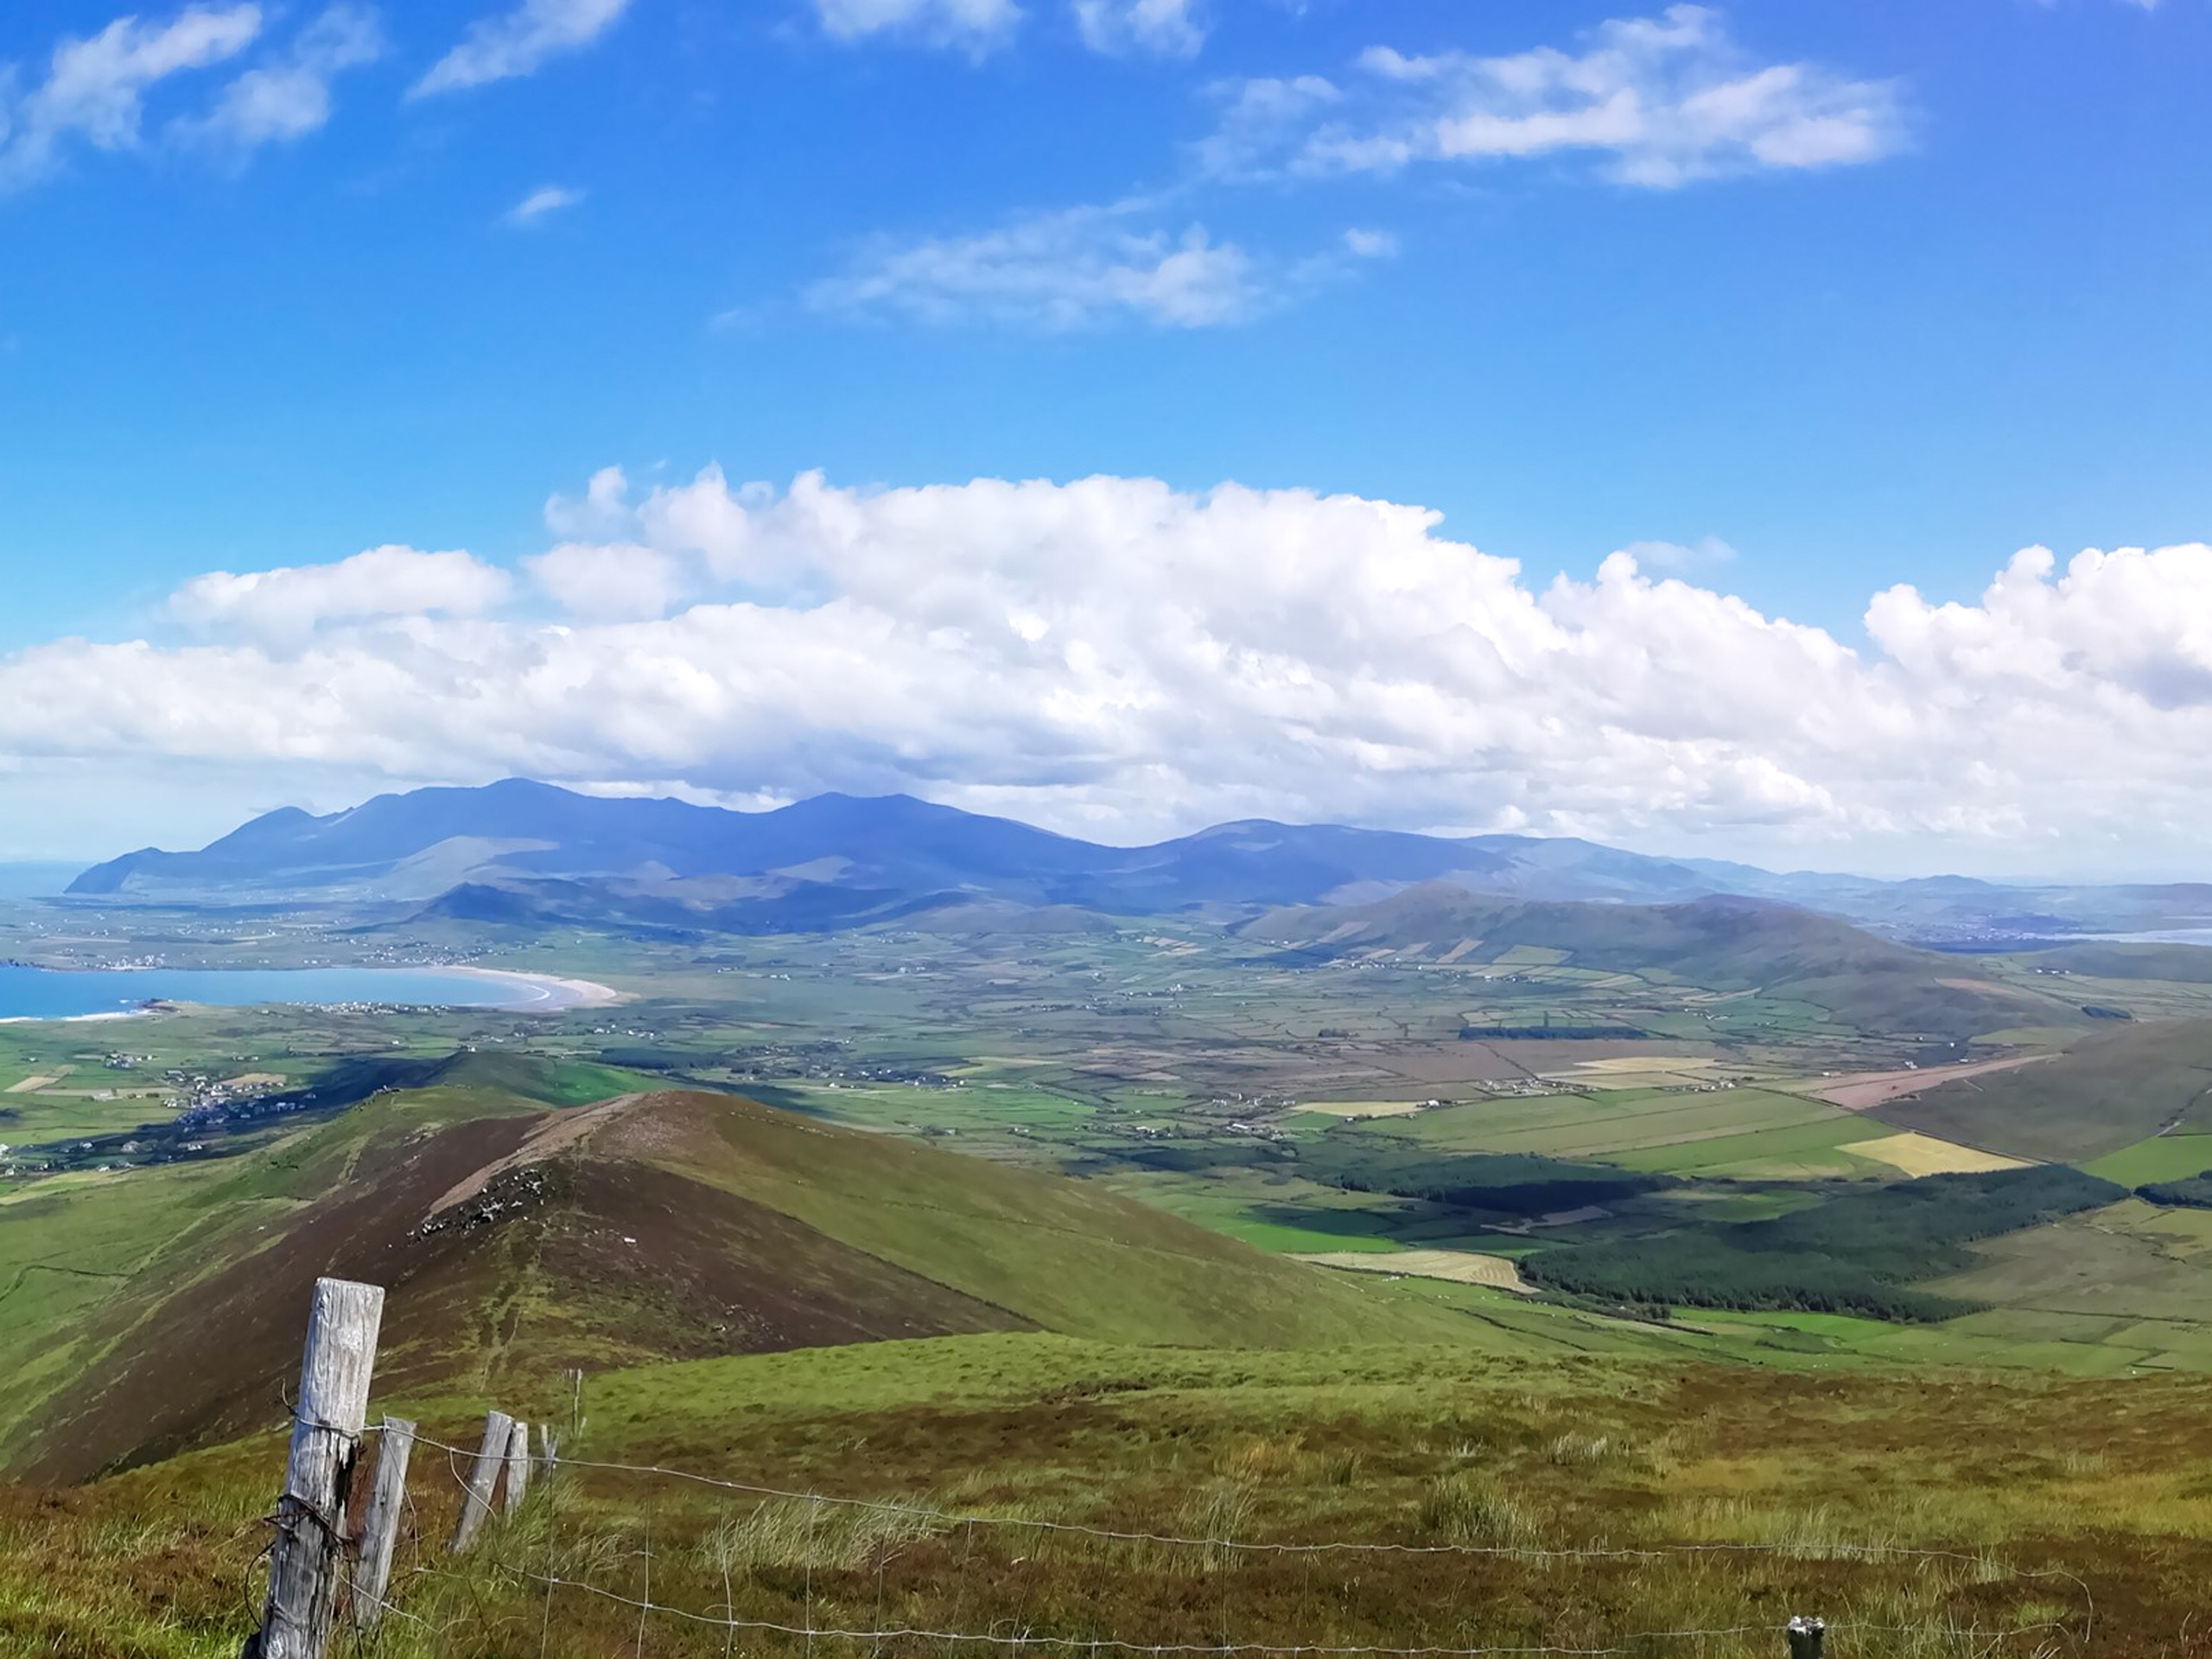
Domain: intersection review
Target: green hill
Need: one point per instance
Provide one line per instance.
(1721, 943)
(2112, 1088)
(2186, 964)
(516, 1241)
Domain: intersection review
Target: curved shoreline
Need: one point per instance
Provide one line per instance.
(554, 994)
(518, 992)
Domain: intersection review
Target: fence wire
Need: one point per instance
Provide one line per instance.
(458, 1459)
(951, 1520)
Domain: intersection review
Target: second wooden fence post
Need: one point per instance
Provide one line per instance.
(517, 1464)
(380, 1530)
(483, 1476)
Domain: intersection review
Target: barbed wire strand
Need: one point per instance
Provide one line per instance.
(952, 1639)
(1841, 1551)
(1623, 1644)
(1838, 1551)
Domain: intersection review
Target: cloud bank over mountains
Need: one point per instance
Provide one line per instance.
(1114, 657)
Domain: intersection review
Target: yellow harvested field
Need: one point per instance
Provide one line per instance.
(32, 1085)
(1460, 1267)
(1923, 1154)
(1363, 1107)
(1645, 1063)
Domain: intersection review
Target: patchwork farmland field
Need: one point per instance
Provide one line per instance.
(1455, 1267)
(1204, 1077)
(1923, 1154)
(2131, 1278)
(2162, 1158)
(1644, 1128)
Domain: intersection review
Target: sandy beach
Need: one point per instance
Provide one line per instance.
(549, 993)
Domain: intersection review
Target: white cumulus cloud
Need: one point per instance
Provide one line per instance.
(1116, 657)
(519, 42)
(1657, 102)
(289, 604)
(621, 581)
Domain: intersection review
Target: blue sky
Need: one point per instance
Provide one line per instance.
(1800, 300)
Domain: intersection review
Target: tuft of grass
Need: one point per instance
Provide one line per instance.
(1221, 1512)
(1467, 1507)
(784, 1533)
(1571, 1449)
(1265, 1458)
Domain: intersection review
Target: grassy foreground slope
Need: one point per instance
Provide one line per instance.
(2073, 1517)
(516, 1241)
(2109, 1091)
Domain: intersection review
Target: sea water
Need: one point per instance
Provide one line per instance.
(58, 994)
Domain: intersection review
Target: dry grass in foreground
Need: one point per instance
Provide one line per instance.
(2070, 1517)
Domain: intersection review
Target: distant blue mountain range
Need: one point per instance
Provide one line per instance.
(517, 850)
(425, 842)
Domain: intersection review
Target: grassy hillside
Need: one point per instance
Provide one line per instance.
(517, 1241)
(521, 1076)
(2184, 965)
(2111, 1089)
(2063, 1502)
(1723, 944)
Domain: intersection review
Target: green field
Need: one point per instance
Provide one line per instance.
(2162, 1158)
(1272, 1211)
(2131, 1277)
(1741, 1133)
(1813, 1150)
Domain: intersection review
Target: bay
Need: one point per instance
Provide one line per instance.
(28, 993)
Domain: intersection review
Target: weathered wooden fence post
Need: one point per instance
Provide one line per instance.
(476, 1502)
(334, 1403)
(380, 1528)
(1805, 1637)
(517, 1464)
(576, 1401)
(549, 1449)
